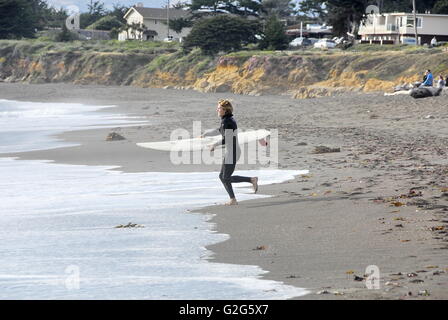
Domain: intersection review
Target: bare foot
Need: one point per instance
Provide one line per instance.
(254, 184)
(232, 202)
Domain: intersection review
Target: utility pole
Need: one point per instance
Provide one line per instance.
(168, 20)
(415, 22)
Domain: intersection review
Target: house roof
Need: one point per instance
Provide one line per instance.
(410, 14)
(158, 13)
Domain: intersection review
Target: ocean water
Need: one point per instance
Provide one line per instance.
(57, 222)
(28, 126)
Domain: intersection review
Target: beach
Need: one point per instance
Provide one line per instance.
(376, 193)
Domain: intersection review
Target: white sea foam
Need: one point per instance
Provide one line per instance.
(57, 223)
(27, 126)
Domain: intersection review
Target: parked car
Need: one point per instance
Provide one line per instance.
(300, 42)
(340, 40)
(325, 44)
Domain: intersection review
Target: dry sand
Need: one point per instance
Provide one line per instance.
(358, 207)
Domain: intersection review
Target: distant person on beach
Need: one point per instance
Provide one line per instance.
(434, 42)
(229, 132)
(428, 80)
(441, 83)
(418, 83)
(421, 90)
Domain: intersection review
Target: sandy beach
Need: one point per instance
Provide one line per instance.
(381, 199)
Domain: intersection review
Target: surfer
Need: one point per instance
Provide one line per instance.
(229, 132)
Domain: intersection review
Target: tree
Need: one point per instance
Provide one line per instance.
(314, 8)
(18, 18)
(178, 24)
(239, 7)
(274, 36)
(55, 18)
(95, 12)
(96, 9)
(221, 33)
(405, 5)
(250, 7)
(244, 7)
(40, 11)
(124, 28)
(136, 30)
(346, 15)
(106, 23)
(101, 19)
(424, 5)
(213, 5)
(65, 35)
(119, 11)
(281, 8)
(441, 7)
(179, 5)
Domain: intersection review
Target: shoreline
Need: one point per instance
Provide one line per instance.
(315, 230)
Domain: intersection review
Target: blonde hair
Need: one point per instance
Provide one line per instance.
(226, 105)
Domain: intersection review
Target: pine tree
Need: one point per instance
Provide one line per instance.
(221, 33)
(441, 7)
(274, 36)
(18, 18)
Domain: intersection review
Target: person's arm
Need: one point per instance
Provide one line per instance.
(220, 142)
(211, 133)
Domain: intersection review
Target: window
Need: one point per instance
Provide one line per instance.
(410, 22)
(419, 22)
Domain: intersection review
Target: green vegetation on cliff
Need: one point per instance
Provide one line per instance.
(180, 63)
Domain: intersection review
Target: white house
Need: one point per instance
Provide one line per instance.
(310, 30)
(154, 21)
(398, 28)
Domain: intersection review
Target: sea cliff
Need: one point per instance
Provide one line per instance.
(300, 74)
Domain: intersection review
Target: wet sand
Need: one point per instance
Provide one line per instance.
(382, 200)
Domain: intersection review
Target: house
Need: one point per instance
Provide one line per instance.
(310, 31)
(398, 28)
(153, 22)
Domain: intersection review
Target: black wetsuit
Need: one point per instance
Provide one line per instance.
(228, 130)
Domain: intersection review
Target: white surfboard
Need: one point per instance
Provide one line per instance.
(197, 144)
